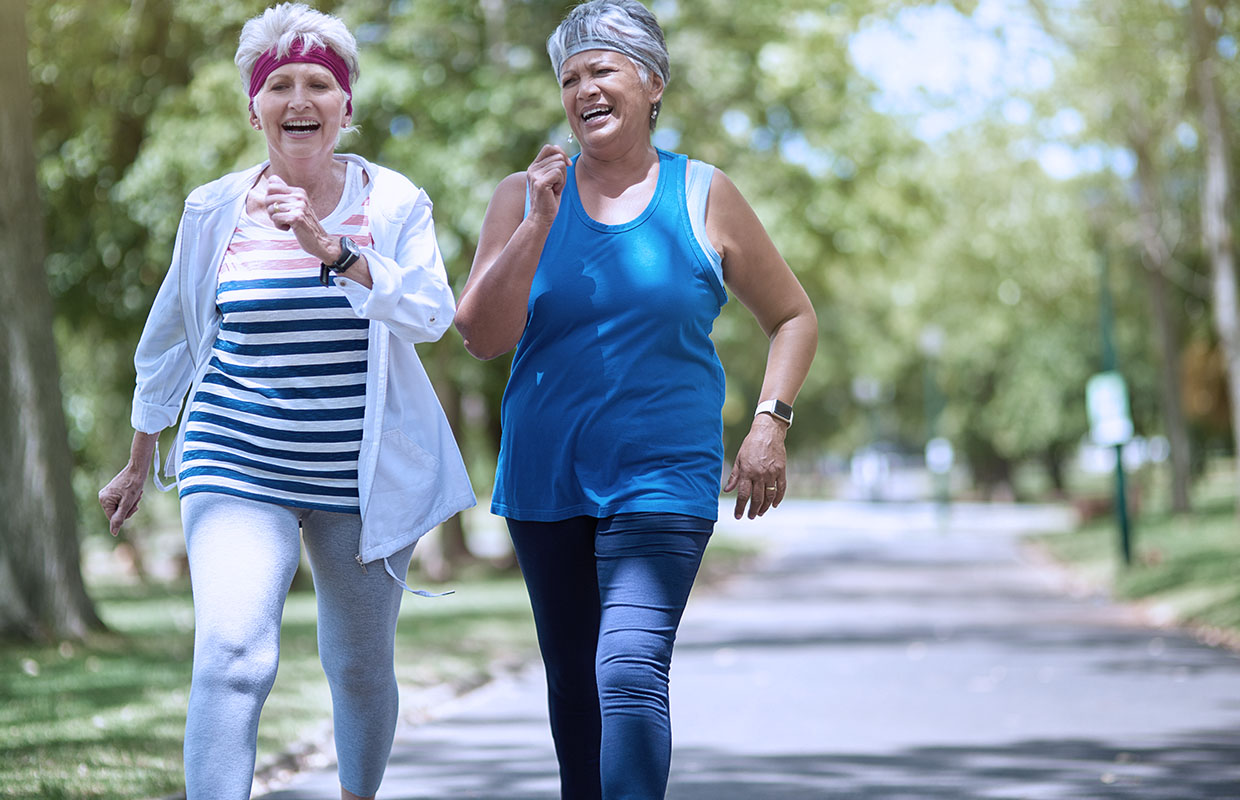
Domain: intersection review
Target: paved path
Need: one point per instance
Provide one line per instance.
(883, 653)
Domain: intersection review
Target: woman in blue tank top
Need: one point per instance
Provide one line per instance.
(605, 272)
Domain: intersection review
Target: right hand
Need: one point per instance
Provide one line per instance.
(545, 178)
(121, 496)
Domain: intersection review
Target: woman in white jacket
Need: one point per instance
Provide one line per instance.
(286, 324)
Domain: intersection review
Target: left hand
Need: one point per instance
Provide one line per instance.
(759, 474)
(289, 208)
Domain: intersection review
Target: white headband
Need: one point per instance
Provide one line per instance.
(605, 43)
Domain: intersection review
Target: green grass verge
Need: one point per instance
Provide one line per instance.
(104, 719)
(1184, 566)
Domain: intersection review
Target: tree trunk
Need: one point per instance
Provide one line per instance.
(442, 554)
(41, 589)
(452, 532)
(1157, 258)
(1053, 457)
(1216, 205)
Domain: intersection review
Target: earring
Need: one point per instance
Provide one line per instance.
(570, 137)
(654, 113)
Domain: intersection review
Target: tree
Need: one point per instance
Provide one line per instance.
(1217, 204)
(41, 589)
(1141, 115)
(1005, 274)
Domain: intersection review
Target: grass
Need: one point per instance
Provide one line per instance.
(1184, 566)
(104, 719)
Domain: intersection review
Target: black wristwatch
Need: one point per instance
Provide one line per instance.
(349, 254)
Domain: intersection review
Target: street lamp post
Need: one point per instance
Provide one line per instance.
(1114, 403)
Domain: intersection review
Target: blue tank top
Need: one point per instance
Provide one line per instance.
(615, 397)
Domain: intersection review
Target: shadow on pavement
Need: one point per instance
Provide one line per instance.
(1078, 769)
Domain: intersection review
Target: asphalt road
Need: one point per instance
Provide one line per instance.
(882, 652)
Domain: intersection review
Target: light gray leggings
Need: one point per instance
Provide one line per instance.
(242, 556)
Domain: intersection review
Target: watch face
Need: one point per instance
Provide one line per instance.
(349, 254)
(783, 410)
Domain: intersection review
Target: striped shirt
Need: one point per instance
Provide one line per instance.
(278, 415)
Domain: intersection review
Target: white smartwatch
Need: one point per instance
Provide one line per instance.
(776, 408)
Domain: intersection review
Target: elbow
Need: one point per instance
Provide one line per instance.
(811, 329)
(485, 336)
(482, 353)
(806, 312)
(473, 345)
(801, 321)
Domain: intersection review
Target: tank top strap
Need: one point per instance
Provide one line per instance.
(697, 190)
(675, 164)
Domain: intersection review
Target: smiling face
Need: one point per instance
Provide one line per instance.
(605, 98)
(301, 109)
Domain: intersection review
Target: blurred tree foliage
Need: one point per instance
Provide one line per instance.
(1129, 77)
(966, 242)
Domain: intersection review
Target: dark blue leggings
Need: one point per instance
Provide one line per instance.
(607, 596)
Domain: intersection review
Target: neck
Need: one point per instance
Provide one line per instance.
(322, 179)
(622, 166)
(305, 173)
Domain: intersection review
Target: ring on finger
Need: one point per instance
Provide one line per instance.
(276, 207)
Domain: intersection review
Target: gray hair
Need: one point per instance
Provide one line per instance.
(279, 26)
(624, 26)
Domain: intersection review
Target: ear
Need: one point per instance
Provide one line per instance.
(254, 121)
(655, 93)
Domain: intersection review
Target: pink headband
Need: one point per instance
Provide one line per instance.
(268, 63)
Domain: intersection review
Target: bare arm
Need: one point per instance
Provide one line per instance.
(120, 497)
(763, 282)
(491, 310)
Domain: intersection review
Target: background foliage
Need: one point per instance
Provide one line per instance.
(958, 273)
(952, 272)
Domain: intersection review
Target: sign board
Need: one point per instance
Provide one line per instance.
(1106, 400)
(939, 456)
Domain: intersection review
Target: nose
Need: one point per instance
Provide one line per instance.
(586, 88)
(299, 97)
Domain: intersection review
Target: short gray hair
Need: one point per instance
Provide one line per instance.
(624, 26)
(281, 25)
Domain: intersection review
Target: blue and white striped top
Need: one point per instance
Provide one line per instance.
(278, 415)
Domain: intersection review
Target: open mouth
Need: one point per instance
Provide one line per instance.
(596, 112)
(301, 126)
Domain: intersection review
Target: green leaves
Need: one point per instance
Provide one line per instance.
(891, 236)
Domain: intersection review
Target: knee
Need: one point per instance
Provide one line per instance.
(632, 679)
(359, 672)
(229, 664)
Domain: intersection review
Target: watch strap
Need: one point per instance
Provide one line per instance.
(776, 408)
(349, 255)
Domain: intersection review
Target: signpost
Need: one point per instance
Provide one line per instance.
(1110, 425)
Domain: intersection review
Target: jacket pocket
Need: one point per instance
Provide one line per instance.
(406, 475)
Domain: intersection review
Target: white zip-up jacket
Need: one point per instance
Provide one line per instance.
(410, 473)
